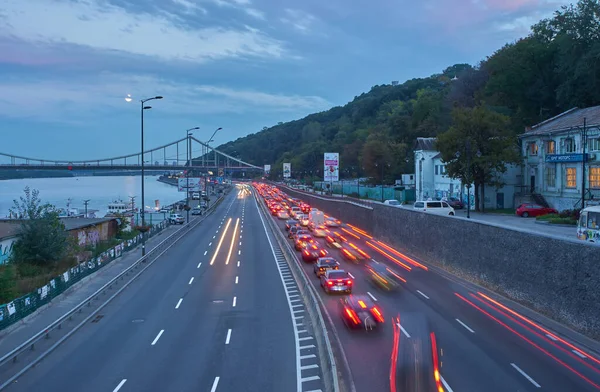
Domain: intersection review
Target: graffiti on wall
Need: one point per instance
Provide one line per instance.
(5, 250)
(90, 237)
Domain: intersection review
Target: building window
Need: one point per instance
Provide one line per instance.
(533, 149)
(550, 147)
(571, 177)
(436, 170)
(595, 177)
(568, 146)
(593, 144)
(551, 176)
(443, 169)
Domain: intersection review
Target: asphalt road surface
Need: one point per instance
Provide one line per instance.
(484, 346)
(212, 314)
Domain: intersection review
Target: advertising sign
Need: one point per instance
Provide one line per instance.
(331, 166)
(287, 170)
(196, 184)
(267, 169)
(564, 158)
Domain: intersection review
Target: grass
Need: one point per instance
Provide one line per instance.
(557, 220)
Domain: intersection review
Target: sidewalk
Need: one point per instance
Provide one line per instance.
(16, 334)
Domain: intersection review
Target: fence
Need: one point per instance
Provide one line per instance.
(29, 303)
(336, 379)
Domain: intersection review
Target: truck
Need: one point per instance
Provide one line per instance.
(316, 218)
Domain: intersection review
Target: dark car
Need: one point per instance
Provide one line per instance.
(383, 276)
(360, 311)
(324, 264)
(455, 203)
(312, 252)
(290, 223)
(293, 230)
(302, 241)
(337, 281)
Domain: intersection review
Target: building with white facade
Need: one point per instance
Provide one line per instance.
(431, 180)
(557, 152)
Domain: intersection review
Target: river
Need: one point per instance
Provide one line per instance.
(98, 190)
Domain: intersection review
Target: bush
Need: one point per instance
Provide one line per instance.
(8, 283)
(572, 214)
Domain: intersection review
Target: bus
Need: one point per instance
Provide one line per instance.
(588, 226)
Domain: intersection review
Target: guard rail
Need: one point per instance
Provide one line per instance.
(146, 261)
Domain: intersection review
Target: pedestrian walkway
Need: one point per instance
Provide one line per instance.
(16, 334)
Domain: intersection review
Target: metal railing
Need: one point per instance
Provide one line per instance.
(315, 307)
(364, 203)
(145, 261)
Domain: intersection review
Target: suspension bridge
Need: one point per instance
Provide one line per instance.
(168, 157)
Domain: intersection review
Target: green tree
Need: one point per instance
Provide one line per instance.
(478, 146)
(42, 239)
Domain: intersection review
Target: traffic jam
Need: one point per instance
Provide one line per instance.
(326, 245)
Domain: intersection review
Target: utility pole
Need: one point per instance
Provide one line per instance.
(583, 160)
(187, 175)
(85, 203)
(132, 198)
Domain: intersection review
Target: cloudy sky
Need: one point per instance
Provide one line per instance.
(66, 65)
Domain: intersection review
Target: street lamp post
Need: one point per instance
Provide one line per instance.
(143, 107)
(188, 151)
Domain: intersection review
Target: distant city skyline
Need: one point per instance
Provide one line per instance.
(237, 64)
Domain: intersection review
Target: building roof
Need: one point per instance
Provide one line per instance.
(425, 144)
(78, 223)
(9, 229)
(571, 119)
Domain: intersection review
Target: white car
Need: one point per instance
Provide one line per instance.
(394, 203)
(434, 207)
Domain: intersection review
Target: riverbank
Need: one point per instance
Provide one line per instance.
(168, 180)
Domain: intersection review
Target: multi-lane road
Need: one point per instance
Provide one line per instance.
(484, 344)
(213, 313)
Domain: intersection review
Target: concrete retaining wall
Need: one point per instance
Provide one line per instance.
(558, 277)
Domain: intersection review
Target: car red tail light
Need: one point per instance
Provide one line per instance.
(306, 253)
(329, 282)
(353, 316)
(349, 282)
(377, 313)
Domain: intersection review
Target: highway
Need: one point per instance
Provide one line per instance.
(212, 314)
(484, 345)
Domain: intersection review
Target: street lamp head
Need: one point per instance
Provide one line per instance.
(158, 97)
(218, 129)
(196, 128)
(147, 107)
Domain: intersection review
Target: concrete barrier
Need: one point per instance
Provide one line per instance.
(555, 276)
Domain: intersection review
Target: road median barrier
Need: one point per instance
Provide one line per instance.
(62, 328)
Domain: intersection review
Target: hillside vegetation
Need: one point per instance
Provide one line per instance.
(555, 68)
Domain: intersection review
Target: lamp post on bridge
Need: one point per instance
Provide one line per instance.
(211, 140)
(188, 149)
(143, 210)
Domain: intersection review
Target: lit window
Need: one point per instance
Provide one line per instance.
(550, 147)
(594, 177)
(571, 177)
(533, 149)
(551, 176)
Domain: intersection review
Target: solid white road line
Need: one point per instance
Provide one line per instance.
(123, 381)
(372, 296)
(199, 264)
(403, 330)
(228, 337)
(205, 252)
(215, 384)
(465, 325)
(179, 303)
(234, 301)
(157, 337)
(238, 263)
(531, 380)
(448, 389)
(236, 279)
(418, 291)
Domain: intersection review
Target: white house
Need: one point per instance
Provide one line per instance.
(8, 235)
(432, 181)
(557, 154)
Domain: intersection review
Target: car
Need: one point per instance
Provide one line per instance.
(332, 242)
(275, 210)
(283, 215)
(337, 281)
(320, 232)
(383, 276)
(530, 209)
(302, 241)
(353, 253)
(291, 223)
(176, 218)
(304, 221)
(324, 264)
(293, 231)
(360, 311)
(312, 252)
(455, 203)
(197, 211)
(301, 231)
(332, 222)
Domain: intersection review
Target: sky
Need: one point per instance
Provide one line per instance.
(66, 66)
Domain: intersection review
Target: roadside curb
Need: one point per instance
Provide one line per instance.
(537, 222)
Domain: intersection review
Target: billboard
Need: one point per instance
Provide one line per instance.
(331, 166)
(287, 170)
(267, 169)
(196, 184)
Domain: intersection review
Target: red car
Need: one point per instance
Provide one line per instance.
(530, 209)
(313, 252)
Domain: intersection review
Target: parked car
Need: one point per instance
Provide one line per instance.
(455, 203)
(435, 207)
(530, 209)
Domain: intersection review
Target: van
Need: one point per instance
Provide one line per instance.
(588, 225)
(195, 196)
(434, 207)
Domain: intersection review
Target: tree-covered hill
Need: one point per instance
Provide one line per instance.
(552, 70)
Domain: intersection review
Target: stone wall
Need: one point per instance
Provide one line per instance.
(555, 276)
